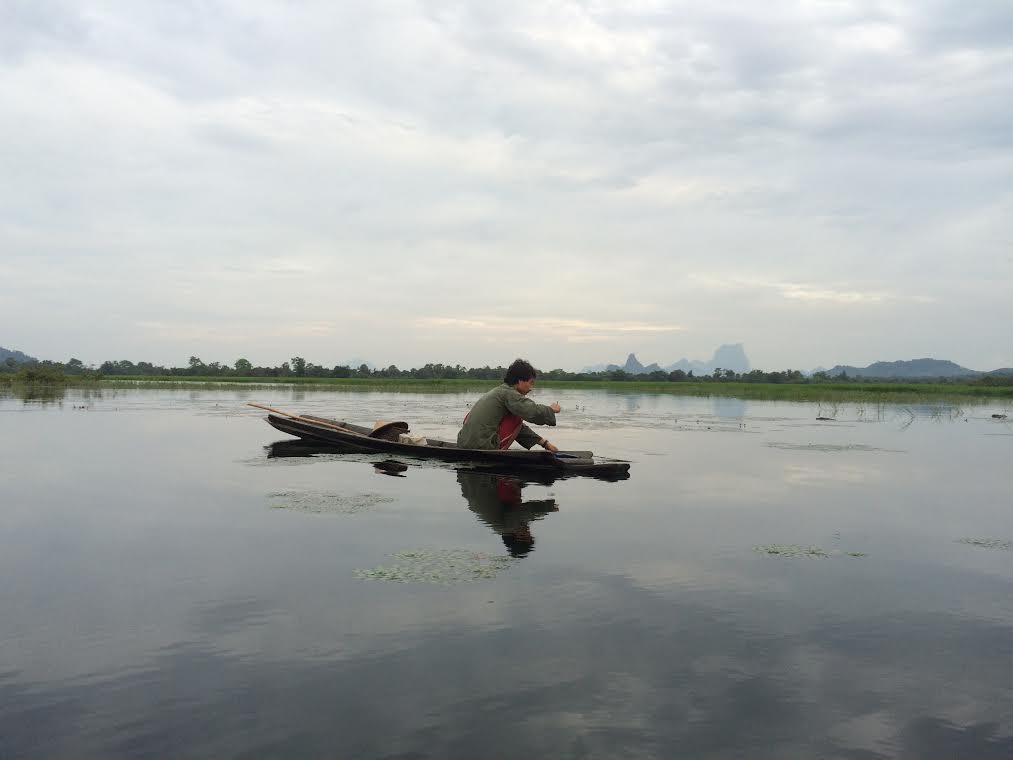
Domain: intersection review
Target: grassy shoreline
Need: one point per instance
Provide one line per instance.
(890, 392)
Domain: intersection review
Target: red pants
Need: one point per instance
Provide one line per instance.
(509, 427)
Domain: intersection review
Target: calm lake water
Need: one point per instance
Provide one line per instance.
(764, 585)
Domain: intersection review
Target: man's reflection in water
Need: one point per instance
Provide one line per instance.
(496, 499)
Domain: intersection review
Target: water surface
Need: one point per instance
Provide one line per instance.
(176, 581)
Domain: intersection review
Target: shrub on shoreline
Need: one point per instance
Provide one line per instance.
(34, 374)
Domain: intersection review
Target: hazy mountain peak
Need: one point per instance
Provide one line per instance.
(19, 356)
(727, 356)
(905, 368)
(731, 356)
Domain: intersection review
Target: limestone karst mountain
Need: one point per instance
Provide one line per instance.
(729, 356)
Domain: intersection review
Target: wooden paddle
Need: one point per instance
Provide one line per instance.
(384, 431)
(303, 419)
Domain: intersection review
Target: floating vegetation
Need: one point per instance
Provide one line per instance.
(826, 447)
(791, 550)
(987, 543)
(319, 503)
(794, 551)
(438, 566)
(269, 461)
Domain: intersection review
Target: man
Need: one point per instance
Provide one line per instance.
(497, 419)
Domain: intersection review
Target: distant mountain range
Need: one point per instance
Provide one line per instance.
(914, 368)
(729, 356)
(733, 357)
(18, 356)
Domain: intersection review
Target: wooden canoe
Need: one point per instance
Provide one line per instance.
(358, 438)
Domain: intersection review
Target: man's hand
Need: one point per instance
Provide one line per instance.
(548, 446)
(554, 406)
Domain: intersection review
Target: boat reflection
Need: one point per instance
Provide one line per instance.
(399, 467)
(392, 468)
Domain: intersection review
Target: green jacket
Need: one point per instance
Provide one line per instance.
(481, 430)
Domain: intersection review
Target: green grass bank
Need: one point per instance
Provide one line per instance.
(889, 392)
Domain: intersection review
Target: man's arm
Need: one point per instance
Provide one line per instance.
(527, 437)
(529, 411)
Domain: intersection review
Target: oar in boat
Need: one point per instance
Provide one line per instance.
(379, 432)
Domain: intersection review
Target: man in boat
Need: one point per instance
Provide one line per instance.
(497, 419)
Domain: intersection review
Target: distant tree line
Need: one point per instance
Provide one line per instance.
(298, 367)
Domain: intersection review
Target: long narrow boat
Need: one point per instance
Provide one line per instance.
(357, 437)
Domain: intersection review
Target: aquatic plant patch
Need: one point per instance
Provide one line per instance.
(791, 550)
(988, 543)
(321, 503)
(795, 551)
(438, 566)
(826, 447)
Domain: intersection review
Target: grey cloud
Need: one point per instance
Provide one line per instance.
(27, 27)
(952, 25)
(231, 138)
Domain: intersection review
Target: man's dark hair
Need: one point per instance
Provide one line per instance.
(519, 370)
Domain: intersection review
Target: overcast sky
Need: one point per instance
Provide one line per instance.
(825, 181)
